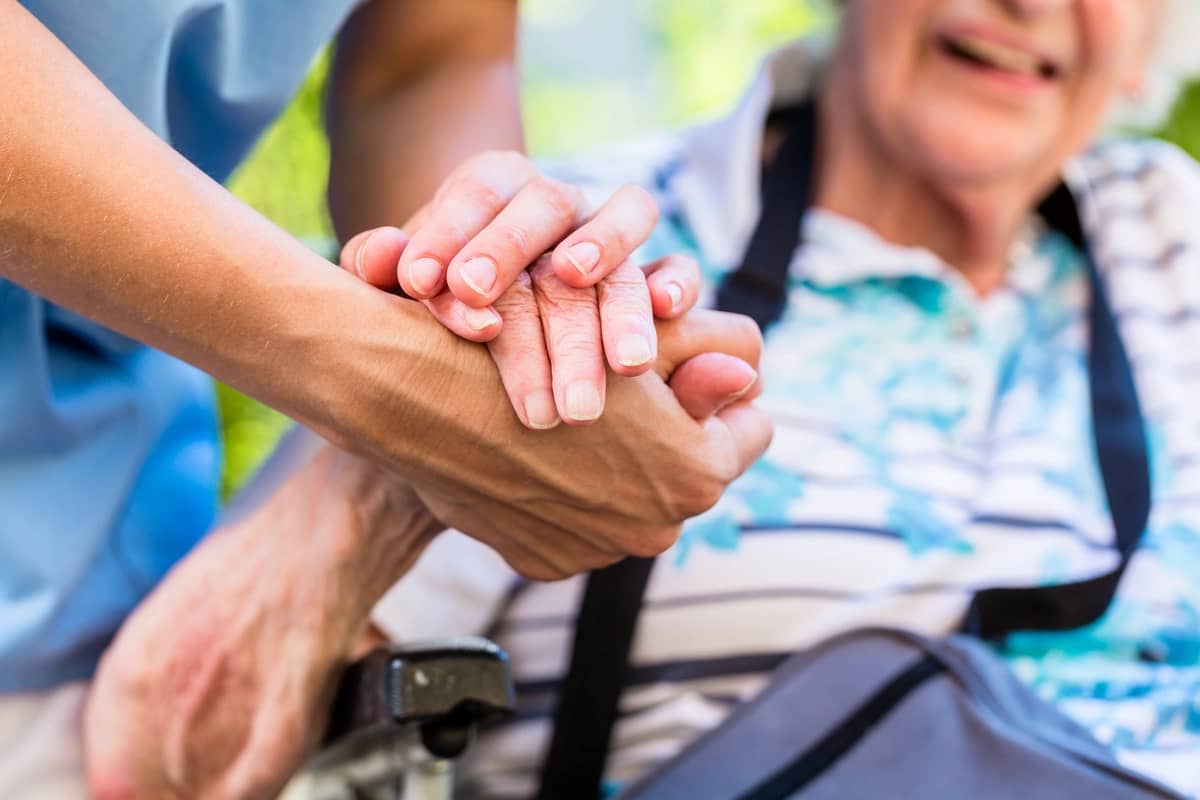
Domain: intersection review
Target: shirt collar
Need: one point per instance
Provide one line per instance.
(718, 177)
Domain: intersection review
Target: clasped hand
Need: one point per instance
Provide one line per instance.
(554, 328)
(218, 685)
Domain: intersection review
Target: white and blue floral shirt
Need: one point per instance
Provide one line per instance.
(929, 442)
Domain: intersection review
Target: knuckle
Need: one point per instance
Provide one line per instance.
(626, 310)
(626, 282)
(695, 496)
(479, 193)
(517, 302)
(580, 351)
(652, 541)
(510, 239)
(542, 271)
(466, 189)
(554, 295)
(560, 198)
(522, 366)
(702, 498)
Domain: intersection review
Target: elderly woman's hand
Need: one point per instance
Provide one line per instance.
(552, 330)
(219, 684)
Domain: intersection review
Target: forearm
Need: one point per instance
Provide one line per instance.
(341, 528)
(99, 215)
(416, 88)
(220, 682)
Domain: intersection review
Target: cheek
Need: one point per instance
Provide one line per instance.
(1115, 36)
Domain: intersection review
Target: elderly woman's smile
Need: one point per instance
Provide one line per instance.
(989, 53)
(970, 107)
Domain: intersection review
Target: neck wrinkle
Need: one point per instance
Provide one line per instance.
(972, 229)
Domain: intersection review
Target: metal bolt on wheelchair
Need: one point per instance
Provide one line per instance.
(401, 716)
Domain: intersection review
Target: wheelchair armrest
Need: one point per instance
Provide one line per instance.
(440, 689)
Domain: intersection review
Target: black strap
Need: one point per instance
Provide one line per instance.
(758, 288)
(1121, 450)
(590, 694)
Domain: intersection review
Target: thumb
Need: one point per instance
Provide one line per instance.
(703, 331)
(709, 382)
(373, 255)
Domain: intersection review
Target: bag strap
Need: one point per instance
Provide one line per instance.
(591, 692)
(1122, 454)
(613, 597)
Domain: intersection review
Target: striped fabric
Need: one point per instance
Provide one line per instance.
(928, 443)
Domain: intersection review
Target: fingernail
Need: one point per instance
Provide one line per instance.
(583, 256)
(424, 275)
(583, 402)
(479, 274)
(360, 258)
(480, 319)
(742, 391)
(633, 350)
(675, 292)
(540, 411)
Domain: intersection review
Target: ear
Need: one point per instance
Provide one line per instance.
(1135, 79)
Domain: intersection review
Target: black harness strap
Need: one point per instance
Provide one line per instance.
(1124, 461)
(590, 694)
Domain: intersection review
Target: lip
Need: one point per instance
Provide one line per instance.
(1026, 83)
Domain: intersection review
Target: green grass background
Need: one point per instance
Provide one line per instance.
(694, 57)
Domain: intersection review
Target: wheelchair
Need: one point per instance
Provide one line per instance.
(402, 715)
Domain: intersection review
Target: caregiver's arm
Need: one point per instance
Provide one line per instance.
(100, 216)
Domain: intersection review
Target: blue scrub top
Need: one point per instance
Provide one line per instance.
(109, 455)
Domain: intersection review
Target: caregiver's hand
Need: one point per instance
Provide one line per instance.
(558, 331)
(670, 441)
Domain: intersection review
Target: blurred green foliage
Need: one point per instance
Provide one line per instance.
(1183, 128)
(284, 178)
(699, 56)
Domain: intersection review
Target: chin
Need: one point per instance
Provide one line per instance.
(978, 151)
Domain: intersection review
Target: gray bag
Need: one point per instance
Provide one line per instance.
(887, 714)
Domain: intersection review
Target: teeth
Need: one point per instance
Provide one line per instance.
(999, 56)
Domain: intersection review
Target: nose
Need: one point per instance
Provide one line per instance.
(1034, 8)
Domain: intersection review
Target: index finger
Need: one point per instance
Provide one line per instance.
(608, 239)
(465, 204)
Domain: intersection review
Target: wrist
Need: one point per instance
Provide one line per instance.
(387, 528)
(325, 546)
(390, 382)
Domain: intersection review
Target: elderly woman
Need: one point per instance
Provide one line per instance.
(928, 381)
